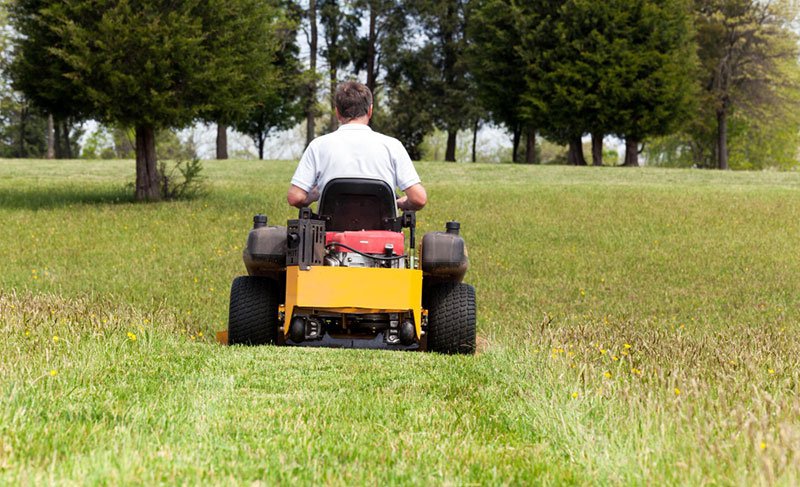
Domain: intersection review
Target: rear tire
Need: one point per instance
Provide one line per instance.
(451, 318)
(253, 317)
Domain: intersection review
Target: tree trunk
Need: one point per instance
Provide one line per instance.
(23, 119)
(147, 179)
(631, 152)
(515, 144)
(475, 128)
(450, 152)
(371, 51)
(530, 145)
(312, 68)
(334, 122)
(61, 142)
(261, 143)
(51, 142)
(722, 139)
(597, 149)
(65, 138)
(222, 141)
(575, 154)
(57, 141)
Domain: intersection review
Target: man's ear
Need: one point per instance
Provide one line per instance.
(338, 117)
(369, 112)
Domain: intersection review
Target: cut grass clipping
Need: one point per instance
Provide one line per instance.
(636, 326)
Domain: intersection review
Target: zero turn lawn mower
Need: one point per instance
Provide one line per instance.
(346, 277)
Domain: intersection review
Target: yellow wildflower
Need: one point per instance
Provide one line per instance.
(677, 392)
(627, 345)
(131, 337)
(575, 395)
(763, 445)
(607, 375)
(53, 373)
(771, 371)
(55, 338)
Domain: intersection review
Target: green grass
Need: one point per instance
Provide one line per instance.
(635, 326)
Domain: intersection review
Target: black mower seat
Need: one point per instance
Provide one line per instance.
(352, 204)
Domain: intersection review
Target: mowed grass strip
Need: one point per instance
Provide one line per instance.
(635, 326)
(100, 394)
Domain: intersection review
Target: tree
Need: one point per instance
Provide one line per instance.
(22, 128)
(385, 32)
(311, 81)
(745, 46)
(495, 60)
(144, 64)
(408, 114)
(341, 45)
(652, 81)
(442, 26)
(621, 67)
(21, 125)
(280, 105)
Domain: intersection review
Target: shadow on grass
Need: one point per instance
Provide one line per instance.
(45, 197)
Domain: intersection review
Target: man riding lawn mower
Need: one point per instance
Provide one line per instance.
(345, 277)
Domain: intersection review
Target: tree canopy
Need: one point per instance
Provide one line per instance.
(694, 81)
(618, 67)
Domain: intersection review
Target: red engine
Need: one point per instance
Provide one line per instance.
(367, 241)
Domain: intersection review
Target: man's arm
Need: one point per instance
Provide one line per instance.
(300, 198)
(415, 198)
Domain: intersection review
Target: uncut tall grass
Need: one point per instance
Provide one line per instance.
(635, 326)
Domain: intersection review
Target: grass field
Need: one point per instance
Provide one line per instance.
(635, 327)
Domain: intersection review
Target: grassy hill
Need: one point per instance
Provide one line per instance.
(635, 326)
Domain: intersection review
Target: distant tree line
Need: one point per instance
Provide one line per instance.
(706, 83)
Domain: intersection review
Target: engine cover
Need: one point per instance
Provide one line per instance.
(367, 241)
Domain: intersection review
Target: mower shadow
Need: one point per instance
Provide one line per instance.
(47, 197)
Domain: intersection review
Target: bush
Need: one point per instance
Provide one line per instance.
(183, 180)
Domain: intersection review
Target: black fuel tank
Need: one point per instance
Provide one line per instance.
(443, 256)
(265, 253)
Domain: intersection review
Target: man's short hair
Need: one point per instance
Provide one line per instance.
(353, 100)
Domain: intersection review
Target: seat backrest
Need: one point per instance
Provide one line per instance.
(352, 204)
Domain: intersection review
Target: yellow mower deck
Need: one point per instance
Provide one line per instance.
(351, 290)
(354, 290)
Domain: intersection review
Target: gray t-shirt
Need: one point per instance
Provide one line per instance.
(355, 151)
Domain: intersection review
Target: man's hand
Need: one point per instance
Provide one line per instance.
(299, 198)
(414, 199)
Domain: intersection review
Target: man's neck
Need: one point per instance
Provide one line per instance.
(356, 121)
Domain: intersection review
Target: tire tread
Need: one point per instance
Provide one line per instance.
(253, 316)
(451, 318)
